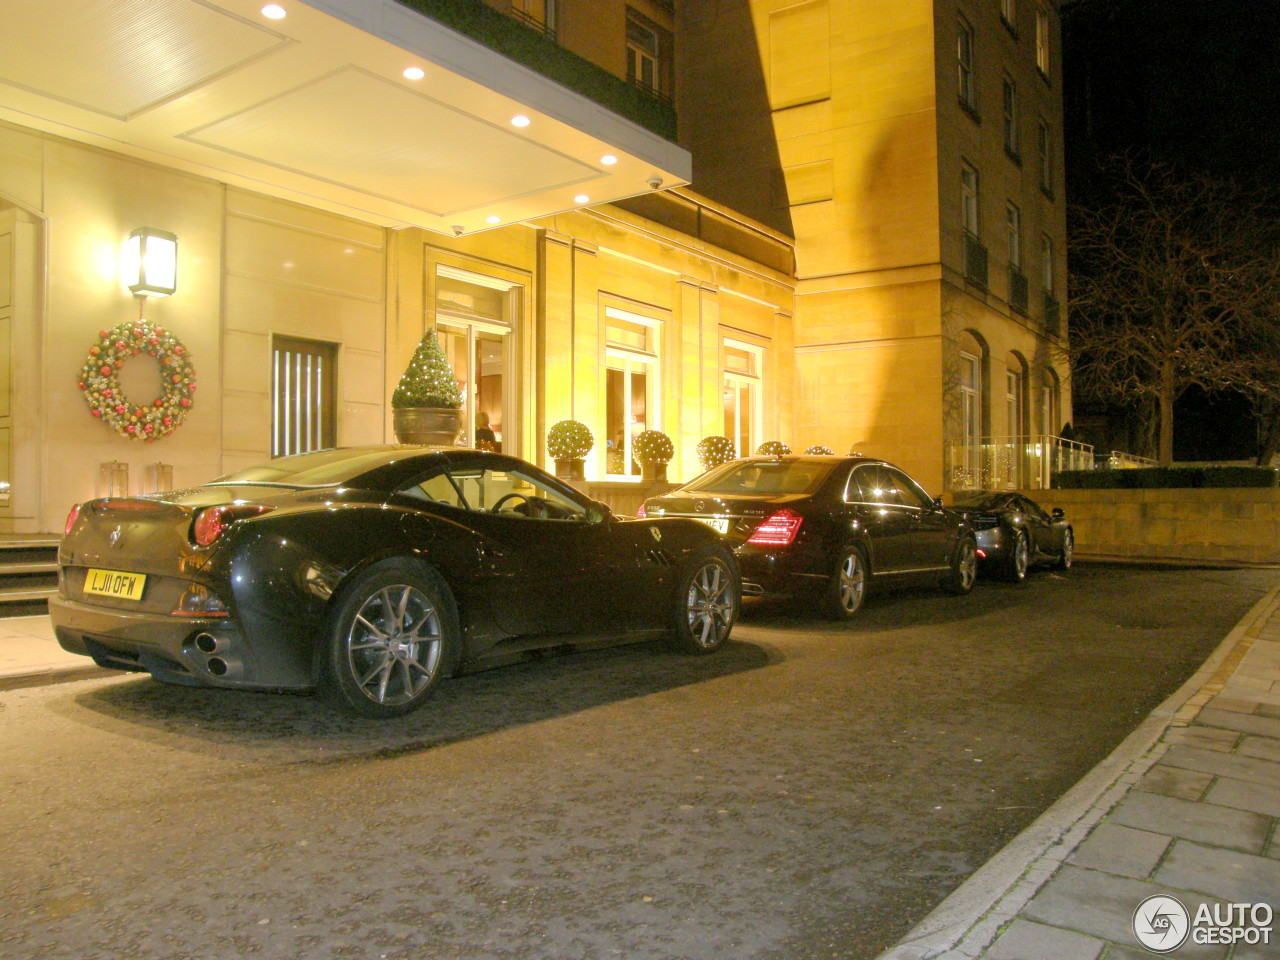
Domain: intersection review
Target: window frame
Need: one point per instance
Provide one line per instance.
(1043, 53)
(966, 63)
(970, 199)
(1009, 108)
(731, 379)
(631, 357)
(1013, 233)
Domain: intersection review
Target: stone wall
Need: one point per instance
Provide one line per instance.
(1235, 523)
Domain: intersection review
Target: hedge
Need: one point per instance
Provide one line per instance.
(1162, 478)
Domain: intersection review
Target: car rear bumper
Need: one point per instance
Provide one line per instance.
(777, 573)
(196, 651)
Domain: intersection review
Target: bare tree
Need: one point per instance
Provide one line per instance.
(1175, 282)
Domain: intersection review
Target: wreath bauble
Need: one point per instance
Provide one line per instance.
(100, 381)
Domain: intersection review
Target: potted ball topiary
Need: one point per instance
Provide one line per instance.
(713, 451)
(427, 405)
(654, 450)
(818, 450)
(773, 448)
(569, 442)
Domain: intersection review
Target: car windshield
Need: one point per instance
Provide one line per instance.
(765, 477)
(982, 501)
(322, 468)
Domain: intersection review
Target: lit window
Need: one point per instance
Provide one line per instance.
(965, 62)
(631, 386)
(743, 397)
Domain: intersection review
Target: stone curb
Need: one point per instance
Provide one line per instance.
(967, 922)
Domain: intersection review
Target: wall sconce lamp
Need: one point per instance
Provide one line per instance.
(151, 262)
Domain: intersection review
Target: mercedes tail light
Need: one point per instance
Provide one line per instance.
(212, 522)
(72, 517)
(778, 530)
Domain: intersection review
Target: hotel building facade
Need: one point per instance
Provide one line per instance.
(827, 222)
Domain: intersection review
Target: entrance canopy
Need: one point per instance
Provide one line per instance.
(362, 107)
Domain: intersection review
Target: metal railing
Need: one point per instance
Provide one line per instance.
(975, 260)
(1018, 290)
(1011, 463)
(1118, 460)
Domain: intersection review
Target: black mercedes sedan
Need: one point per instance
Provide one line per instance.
(826, 527)
(368, 574)
(1014, 532)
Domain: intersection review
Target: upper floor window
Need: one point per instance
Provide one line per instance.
(969, 198)
(1046, 158)
(1013, 231)
(649, 55)
(1046, 263)
(1009, 14)
(1010, 116)
(539, 14)
(965, 62)
(1042, 40)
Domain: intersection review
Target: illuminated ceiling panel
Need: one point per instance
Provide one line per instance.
(316, 107)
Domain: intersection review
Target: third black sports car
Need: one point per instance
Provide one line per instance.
(822, 525)
(370, 573)
(1014, 532)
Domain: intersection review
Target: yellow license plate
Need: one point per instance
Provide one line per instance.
(718, 524)
(114, 583)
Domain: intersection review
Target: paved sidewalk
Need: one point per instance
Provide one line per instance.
(29, 654)
(1187, 807)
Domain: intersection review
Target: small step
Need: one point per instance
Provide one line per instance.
(28, 573)
(7, 568)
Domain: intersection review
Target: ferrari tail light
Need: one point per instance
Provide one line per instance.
(72, 517)
(212, 522)
(640, 512)
(778, 530)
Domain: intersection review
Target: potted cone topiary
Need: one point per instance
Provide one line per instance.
(427, 405)
(713, 451)
(569, 442)
(654, 450)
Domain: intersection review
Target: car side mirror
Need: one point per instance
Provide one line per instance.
(598, 512)
(937, 503)
(1057, 513)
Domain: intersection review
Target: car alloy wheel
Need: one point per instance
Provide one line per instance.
(389, 637)
(1067, 555)
(964, 569)
(393, 646)
(848, 586)
(1019, 558)
(708, 601)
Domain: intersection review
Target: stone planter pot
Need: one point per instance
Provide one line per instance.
(438, 426)
(654, 472)
(569, 469)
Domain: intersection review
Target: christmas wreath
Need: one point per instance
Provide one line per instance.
(100, 380)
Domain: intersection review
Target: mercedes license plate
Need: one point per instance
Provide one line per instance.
(718, 524)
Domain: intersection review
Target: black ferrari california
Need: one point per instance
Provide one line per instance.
(368, 574)
(825, 527)
(1014, 532)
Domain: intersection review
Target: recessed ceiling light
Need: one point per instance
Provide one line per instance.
(414, 73)
(582, 198)
(608, 159)
(492, 219)
(520, 120)
(273, 11)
